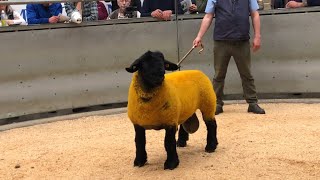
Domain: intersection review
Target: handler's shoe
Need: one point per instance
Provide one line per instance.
(219, 109)
(255, 108)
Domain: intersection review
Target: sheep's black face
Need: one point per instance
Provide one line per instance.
(151, 67)
(152, 71)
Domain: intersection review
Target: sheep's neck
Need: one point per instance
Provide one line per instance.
(144, 92)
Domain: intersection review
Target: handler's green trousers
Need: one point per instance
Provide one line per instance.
(240, 50)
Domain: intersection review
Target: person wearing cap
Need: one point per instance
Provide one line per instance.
(231, 38)
(43, 13)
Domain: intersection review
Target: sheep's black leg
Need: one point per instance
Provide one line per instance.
(212, 141)
(182, 138)
(170, 145)
(140, 139)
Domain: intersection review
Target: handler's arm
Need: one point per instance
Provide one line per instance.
(256, 27)
(205, 24)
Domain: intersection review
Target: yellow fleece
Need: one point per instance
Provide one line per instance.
(171, 104)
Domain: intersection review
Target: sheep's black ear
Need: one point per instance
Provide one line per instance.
(136, 64)
(132, 68)
(169, 66)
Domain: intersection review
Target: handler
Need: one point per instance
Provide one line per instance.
(231, 38)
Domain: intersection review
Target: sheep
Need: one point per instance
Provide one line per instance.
(164, 101)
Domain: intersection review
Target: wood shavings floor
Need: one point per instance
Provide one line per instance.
(282, 144)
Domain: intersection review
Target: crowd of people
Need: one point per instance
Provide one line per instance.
(121, 9)
(91, 11)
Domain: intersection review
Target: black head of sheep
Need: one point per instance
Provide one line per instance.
(151, 67)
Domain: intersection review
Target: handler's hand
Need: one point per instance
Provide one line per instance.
(197, 41)
(256, 44)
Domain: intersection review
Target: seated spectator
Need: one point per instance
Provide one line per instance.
(199, 6)
(295, 4)
(260, 4)
(43, 13)
(313, 3)
(89, 11)
(195, 6)
(186, 5)
(121, 13)
(275, 4)
(102, 10)
(160, 9)
(136, 3)
(302, 3)
(13, 16)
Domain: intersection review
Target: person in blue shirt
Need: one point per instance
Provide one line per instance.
(43, 13)
(231, 38)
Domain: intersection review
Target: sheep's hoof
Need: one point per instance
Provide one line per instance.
(140, 162)
(181, 143)
(211, 148)
(171, 164)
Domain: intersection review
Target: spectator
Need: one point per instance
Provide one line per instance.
(121, 13)
(160, 9)
(302, 3)
(89, 11)
(197, 6)
(275, 4)
(102, 10)
(136, 3)
(231, 38)
(186, 6)
(260, 4)
(13, 16)
(43, 13)
(313, 3)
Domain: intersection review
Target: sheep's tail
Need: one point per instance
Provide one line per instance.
(191, 125)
